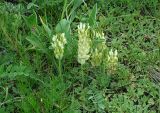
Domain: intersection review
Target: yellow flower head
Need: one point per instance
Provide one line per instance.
(83, 43)
(112, 57)
(58, 42)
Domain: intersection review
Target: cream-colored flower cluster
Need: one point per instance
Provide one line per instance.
(98, 51)
(58, 43)
(112, 60)
(93, 44)
(84, 43)
(102, 40)
(96, 58)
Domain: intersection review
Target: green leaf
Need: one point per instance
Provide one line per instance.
(37, 44)
(47, 29)
(73, 15)
(63, 26)
(76, 4)
(92, 17)
(2, 110)
(31, 20)
(30, 5)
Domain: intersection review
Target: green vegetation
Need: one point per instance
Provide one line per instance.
(80, 56)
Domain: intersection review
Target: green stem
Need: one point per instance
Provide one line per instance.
(159, 52)
(159, 97)
(61, 78)
(159, 46)
(64, 8)
(82, 74)
(60, 70)
(104, 68)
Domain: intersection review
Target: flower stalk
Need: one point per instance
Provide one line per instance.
(58, 43)
(84, 46)
(159, 45)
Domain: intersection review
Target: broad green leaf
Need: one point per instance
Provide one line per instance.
(73, 15)
(63, 26)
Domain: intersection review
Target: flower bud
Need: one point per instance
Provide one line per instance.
(98, 48)
(112, 60)
(96, 58)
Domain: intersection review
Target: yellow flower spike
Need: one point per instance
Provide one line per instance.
(83, 43)
(58, 42)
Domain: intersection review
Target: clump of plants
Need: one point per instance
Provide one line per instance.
(91, 47)
(94, 56)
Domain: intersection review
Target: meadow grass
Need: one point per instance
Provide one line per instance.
(112, 65)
